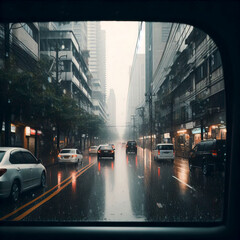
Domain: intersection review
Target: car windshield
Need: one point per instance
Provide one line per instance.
(74, 86)
(68, 151)
(2, 153)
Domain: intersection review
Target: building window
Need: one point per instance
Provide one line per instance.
(31, 31)
(215, 61)
(201, 72)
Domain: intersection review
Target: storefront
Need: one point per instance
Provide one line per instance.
(29, 139)
(218, 131)
(182, 143)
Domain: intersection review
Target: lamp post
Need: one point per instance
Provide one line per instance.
(57, 49)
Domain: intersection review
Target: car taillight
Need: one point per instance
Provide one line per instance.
(74, 155)
(99, 151)
(214, 153)
(2, 171)
(59, 155)
(126, 146)
(158, 152)
(112, 151)
(89, 149)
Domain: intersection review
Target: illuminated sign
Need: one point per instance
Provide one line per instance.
(182, 131)
(166, 135)
(28, 131)
(197, 130)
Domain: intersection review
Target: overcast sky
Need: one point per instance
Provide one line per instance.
(121, 39)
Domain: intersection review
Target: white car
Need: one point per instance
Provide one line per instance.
(164, 151)
(93, 150)
(70, 155)
(19, 171)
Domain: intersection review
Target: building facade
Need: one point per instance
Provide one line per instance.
(189, 103)
(73, 70)
(24, 49)
(96, 45)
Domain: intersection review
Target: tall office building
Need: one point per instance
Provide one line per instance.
(78, 28)
(97, 65)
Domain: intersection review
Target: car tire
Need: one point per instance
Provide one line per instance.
(43, 180)
(205, 169)
(15, 192)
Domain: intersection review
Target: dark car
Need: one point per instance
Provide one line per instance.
(209, 155)
(105, 152)
(131, 147)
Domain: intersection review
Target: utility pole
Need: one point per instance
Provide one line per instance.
(149, 96)
(141, 114)
(7, 100)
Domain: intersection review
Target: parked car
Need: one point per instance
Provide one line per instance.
(208, 155)
(131, 147)
(70, 155)
(19, 172)
(93, 150)
(105, 151)
(164, 151)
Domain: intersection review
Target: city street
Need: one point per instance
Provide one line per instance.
(130, 188)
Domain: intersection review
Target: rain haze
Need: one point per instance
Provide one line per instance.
(121, 40)
(65, 89)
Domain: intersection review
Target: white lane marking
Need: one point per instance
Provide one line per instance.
(184, 183)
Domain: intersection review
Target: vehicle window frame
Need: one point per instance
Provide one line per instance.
(224, 230)
(12, 155)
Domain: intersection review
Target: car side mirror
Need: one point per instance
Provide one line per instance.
(40, 161)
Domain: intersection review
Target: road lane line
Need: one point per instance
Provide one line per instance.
(20, 217)
(35, 199)
(184, 183)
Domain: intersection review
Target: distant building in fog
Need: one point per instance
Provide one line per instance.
(111, 103)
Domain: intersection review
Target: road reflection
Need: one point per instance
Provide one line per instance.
(59, 176)
(181, 171)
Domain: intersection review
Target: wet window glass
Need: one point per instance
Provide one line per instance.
(16, 158)
(28, 158)
(147, 93)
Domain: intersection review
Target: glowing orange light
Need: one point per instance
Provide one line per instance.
(136, 161)
(73, 181)
(99, 166)
(59, 179)
(112, 165)
(159, 171)
(89, 159)
(127, 160)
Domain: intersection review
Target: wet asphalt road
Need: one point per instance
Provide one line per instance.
(130, 188)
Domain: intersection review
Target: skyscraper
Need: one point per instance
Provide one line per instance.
(97, 64)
